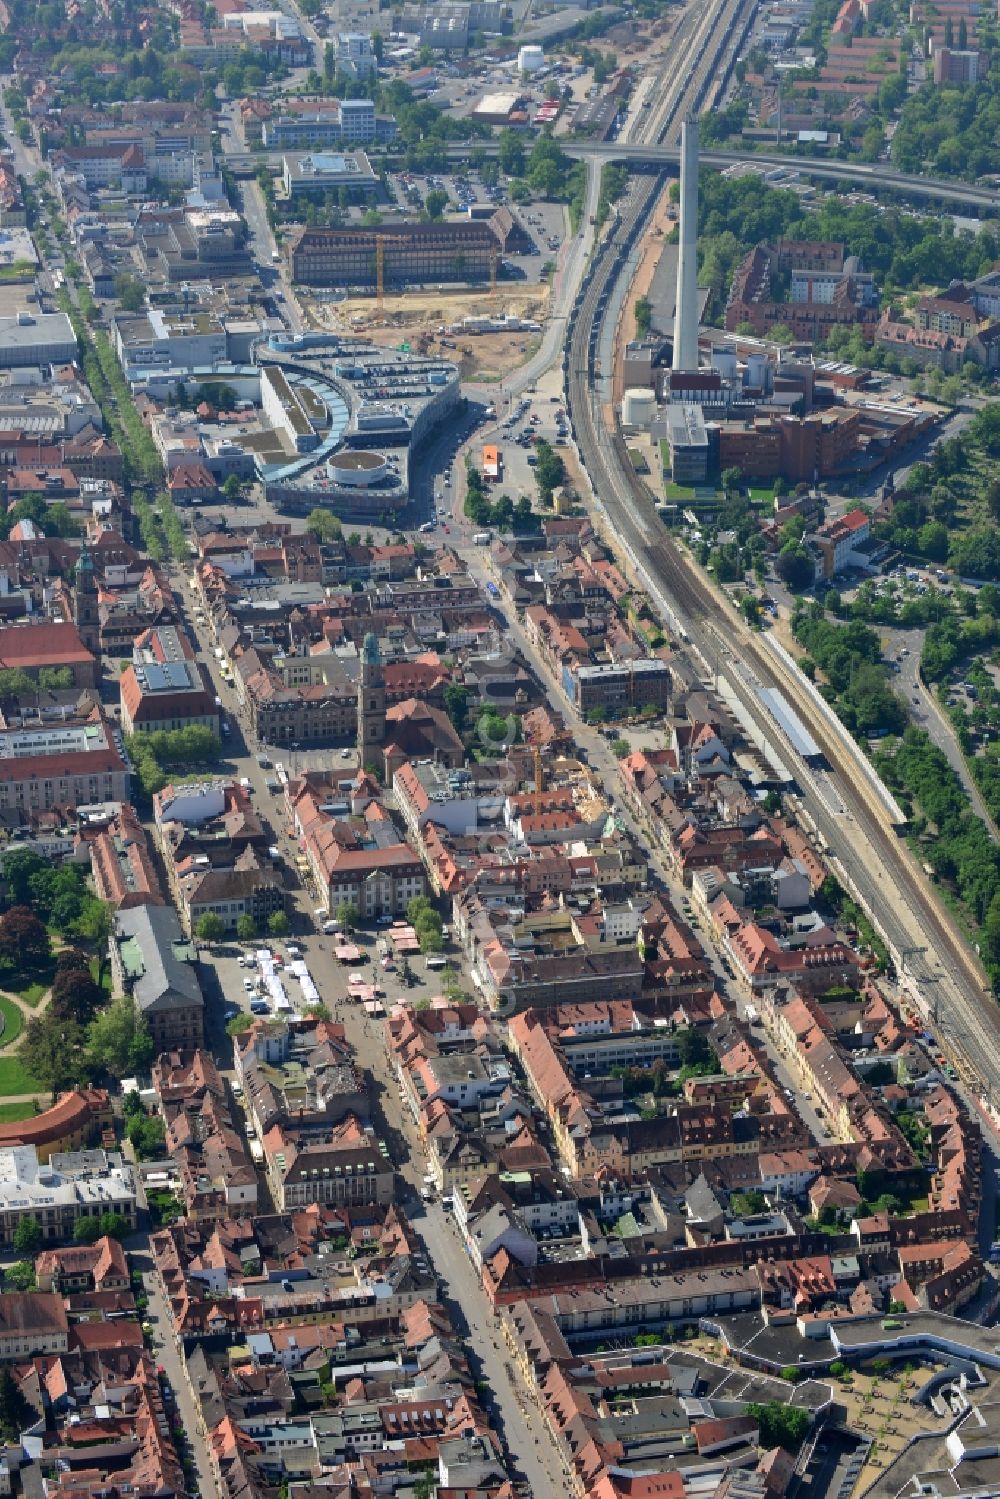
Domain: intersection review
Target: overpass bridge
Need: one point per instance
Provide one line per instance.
(868, 177)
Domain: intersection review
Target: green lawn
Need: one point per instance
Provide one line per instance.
(30, 986)
(761, 496)
(13, 1021)
(15, 1078)
(32, 994)
(105, 976)
(13, 1113)
(677, 491)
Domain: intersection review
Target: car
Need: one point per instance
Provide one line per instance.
(345, 754)
(249, 985)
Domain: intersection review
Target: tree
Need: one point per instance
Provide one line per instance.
(231, 489)
(55, 678)
(323, 525)
(94, 925)
(550, 471)
(435, 203)
(643, 316)
(780, 1425)
(146, 1136)
(15, 1410)
(795, 566)
(210, 927)
(114, 1226)
(456, 704)
(238, 1024)
(86, 1230)
(52, 1051)
(27, 1235)
(278, 924)
(246, 928)
(511, 153)
(348, 916)
(75, 996)
(118, 1040)
(18, 868)
(24, 942)
(20, 1276)
(130, 293)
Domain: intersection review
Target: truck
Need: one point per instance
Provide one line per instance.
(482, 538)
(492, 463)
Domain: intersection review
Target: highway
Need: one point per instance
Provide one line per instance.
(849, 820)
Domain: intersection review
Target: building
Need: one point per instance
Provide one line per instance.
(75, 761)
(371, 701)
(34, 338)
(152, 960)
(413, 254)
(31, 1323)
(217, 1175)
(355, 56)
(158, 341)
(49, 646)
(838, 541)
(688, 443)
(952, 65)
(380, 881)
(75, 1119)
(927, 347)
(343, 1165)
(58, 1193)
(298, 1073)
(317, 172)
(123, 871)
(163, 687)
(349, 122)
(614, 685)
(100, 1266)
(824, 288)
(283, 408)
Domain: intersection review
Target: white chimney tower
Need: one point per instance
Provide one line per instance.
(686, 306)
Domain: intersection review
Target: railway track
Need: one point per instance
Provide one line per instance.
(879, 866)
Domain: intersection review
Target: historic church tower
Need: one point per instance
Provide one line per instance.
(85, 615)
(371, 701)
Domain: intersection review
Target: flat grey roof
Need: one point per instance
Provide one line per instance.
(40, 328)
(786, 716)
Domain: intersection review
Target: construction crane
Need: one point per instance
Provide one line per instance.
(380, 272)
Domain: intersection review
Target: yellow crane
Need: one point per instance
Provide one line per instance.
(380, 272)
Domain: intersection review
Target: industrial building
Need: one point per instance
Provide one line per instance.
(416, 254)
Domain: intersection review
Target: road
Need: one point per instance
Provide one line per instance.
(167, 1353)
(263, 247)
